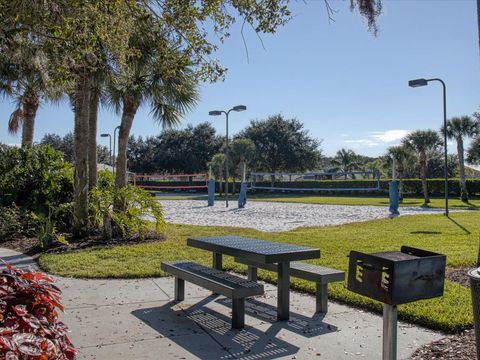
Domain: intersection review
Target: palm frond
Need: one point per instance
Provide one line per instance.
(15, 121)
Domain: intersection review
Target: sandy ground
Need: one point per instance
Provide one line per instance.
(271, 216)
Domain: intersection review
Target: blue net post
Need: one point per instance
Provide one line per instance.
(211, 192)
(393, 193)
(242, 197)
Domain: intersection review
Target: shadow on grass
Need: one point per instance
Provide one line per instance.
(460, 226)
(426, 232)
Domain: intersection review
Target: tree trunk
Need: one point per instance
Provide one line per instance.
(92, 139)
(129, 110)
(30, 103)
(80, 188)
(461, 168)
(423, 170)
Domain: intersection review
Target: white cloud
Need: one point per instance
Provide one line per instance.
(389, 135)
(377, 138)
(344, 135)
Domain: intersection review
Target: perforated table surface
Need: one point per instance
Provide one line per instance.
(254, 249)
(261, 251)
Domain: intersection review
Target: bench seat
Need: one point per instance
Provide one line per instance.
(228, 285)
(321, 275)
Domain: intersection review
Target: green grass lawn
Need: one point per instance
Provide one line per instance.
(457, 237)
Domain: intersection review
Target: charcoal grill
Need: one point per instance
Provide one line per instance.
(393, 278)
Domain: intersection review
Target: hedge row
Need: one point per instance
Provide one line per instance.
(436, 187)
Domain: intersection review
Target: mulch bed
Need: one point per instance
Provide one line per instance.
(453, 347)
(31, 247)
(459, 275)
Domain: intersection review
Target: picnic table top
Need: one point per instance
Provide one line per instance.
(254, 249)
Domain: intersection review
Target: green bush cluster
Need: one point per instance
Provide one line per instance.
(34, 179)
(140, 209)
(436, 187)
(37, 188)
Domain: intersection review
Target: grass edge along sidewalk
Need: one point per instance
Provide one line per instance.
(457, 237)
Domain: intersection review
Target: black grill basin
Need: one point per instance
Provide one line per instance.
(397, 277)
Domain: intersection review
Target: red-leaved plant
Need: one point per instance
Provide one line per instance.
(29, 326)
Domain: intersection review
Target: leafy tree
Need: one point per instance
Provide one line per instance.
(459, 128)
(65, 145)
(473, 155)
(346, 160)
(282, 145)
(218, 166)
(423, 142)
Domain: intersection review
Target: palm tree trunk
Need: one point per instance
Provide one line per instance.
(461, 168)
(423, 169)
(400, 183)
(30, 103)
(92, 140)
(129, 110)
(80, 187)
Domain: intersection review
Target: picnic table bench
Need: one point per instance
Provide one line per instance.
(231, 286)
(321, 275)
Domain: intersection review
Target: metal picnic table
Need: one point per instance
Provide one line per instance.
(260, 251)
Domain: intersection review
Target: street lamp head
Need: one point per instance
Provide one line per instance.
(104, 135)
(239, 108)
(214, 113)
(417, 83)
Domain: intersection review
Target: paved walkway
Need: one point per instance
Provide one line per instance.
(137, 319)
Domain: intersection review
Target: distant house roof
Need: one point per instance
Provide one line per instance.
(104, 167)
(475, 168)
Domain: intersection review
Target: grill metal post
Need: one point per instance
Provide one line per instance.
(390, 315)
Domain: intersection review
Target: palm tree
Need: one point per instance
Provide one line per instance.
(217, 165)
(403, 159)
(171, 91)
(423, 142)
(346, 159)
(24, 77)
(458, 128)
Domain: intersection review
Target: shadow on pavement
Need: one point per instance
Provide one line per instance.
(259, 341)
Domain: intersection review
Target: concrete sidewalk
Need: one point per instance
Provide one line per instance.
(137, 319)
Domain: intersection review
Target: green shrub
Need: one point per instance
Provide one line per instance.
(140, 209)
(34, 179)
(15, 221)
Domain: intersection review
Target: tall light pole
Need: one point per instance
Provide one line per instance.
(424, 82)
(110, 138)
(114, 140)
(217, 113)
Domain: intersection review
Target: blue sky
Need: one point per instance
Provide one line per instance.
(348, 87)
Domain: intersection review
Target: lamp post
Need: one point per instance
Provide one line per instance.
(114, 140)
(424, 82)
(217, 113)
(110, 138)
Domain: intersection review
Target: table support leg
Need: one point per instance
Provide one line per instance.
(252, 273)
(283, 289)
(179, 289)
(217, 261)
(238, 313)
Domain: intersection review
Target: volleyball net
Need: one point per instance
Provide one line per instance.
(170, 181)
(316, 181)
